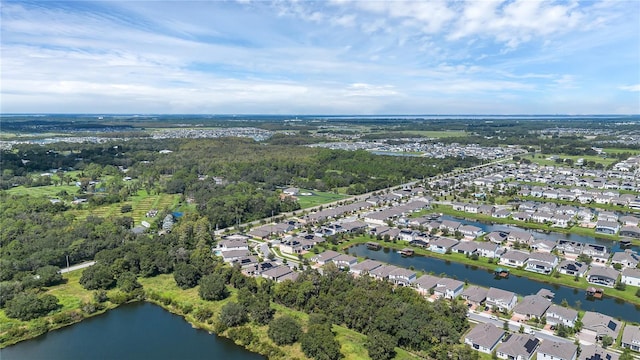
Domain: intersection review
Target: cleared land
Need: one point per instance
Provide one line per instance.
(318, 198)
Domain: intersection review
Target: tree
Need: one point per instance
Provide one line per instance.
(319, 343)
(233, 314)
(49, 275)
(213, 288)
(27, 306)
(380, 345)
(186, 275)
(96, 277)
(284, 330)
(128, 281)
(607, 341)
(260, 309)
(562, 330)
(626, 354)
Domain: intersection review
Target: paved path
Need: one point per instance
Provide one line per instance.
(77, 267)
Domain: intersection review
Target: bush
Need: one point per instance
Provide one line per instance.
(233, 314)
(97, 277)
(241, 335)
(202, 314)
(213, 288)
(27, 306)
(186, 275)
(100, 296)
(319, 343)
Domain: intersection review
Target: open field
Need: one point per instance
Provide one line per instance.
(543, 159)
(437, 134)
(49, 191)
(318, 198)
(141, 203)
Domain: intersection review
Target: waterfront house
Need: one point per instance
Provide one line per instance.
(541, 263)
(561, 315)
(364, 267)
(450, 225)
(425, 283)
(520, 236)
(402, 276)
(573, 268)
(532, 307)
(607, 227)
(502, 299)
(630, 231)
(382, 272)
(470, 230)
(465, 247)
(607, 216)
(570, 249)
(497, 237)
(488, 249)
(501, 214)
(325, 257)
(554, 350)
(344, 261)
(448, 288)
(474, 295)
(521, 216)
(514, 258)
(631, 337)
(518, 347)
(602, 276)
(441, 245)
(596, 326)
(595, 352)
(629, 220)
(631, 276)
(543, 246)
(598, 253)
(484, 337)
(627, 258)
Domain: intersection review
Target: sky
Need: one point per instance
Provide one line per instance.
(320, 57)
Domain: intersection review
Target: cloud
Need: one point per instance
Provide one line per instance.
(634, 88)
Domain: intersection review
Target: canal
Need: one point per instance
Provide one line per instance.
(612, 246)
(520, 285)
(133, 331)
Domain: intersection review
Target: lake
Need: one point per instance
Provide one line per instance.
(132, 331)
(519, 285)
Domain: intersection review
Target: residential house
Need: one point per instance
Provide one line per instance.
(524, 237)
(521, 216)
(233, 255)
(474, 295)
(541, 263)
(532, 307)
(608, 216)
(630, 231)
(497, 237)
(402, 276)
(603, 276)
(450, 225)
(542, 217)
(425, 283)
(502, 299)
(631, 276)
(325, 257)
(441, 245)
(364, 267)
(607, 227)
(382, 272)
(554, 350)
(514, 258)
(561, 220)
(627, 258)
(598, 253)
(518, 347)
(470, 230)
(597, 326)
(629, 220)
(465, 247)
(484, 337)
(561, 315)
(276, 273)
(501, 214)
(488, 249)
(631, 337)
(595, 352)
(344, 261)
(232, 244)
(573, 268)
(448, 288)
(543, 246)
(486, 209)
(570, 249)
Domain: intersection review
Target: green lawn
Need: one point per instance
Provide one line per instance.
(318, 198)
(48, 191)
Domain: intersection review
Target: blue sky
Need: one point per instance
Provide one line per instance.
(321, 57)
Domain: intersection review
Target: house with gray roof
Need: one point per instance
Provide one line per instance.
(631, 337)
(502, 299)
(474, 294)
(382, 272)
(276, 273)
(532, 307)
(488, 249)
(402, 276)
(448, 288)
(631, 276)
(344, 261)
(607, 227)
(602, 276)
(484, 337)
(518, 347)
(543, 246)
(627, 258)
(441, 245)
(561, 315)
(595, 352)
(630, 231)
(425, 283)
(555, 350)
(542, 263)
(573, 268)
(497, 237)
(597, 326)
(514, 258)
(465, 247)
(325, 257)
(520, 236)
(364, 267)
